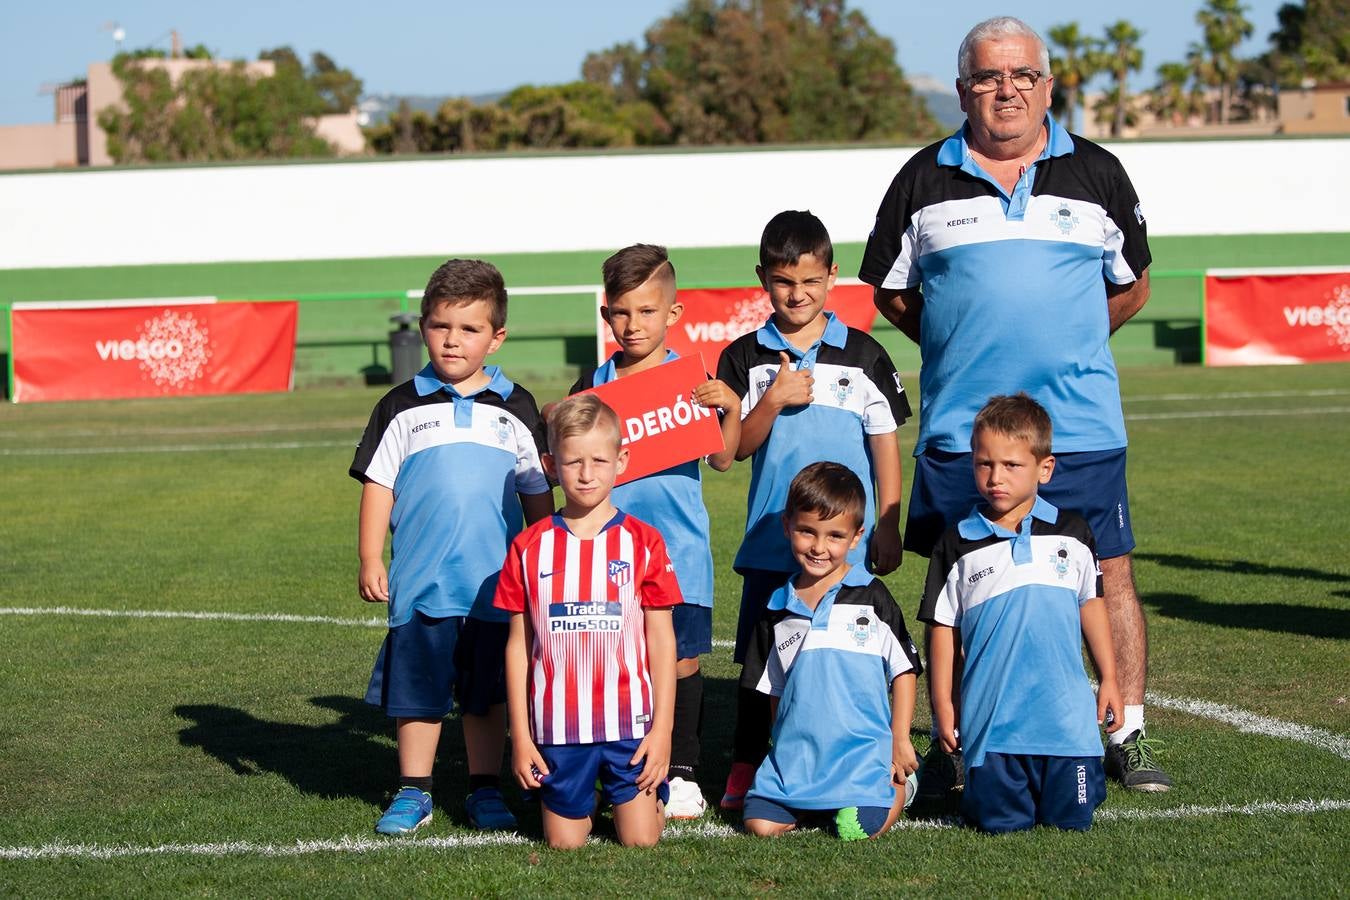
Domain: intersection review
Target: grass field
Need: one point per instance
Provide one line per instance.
(184, 653)
(339, 340)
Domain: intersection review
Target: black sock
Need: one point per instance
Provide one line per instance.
(422, 783)
(751, 743)
(484, 781)
(686, 737)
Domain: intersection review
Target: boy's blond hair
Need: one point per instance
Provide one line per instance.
(1018, 417)
(578, 414)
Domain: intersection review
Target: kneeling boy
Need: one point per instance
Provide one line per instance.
(590, 657)
(829, 649)
(1016, 583)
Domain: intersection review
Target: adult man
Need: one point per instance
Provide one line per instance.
(1010, 252)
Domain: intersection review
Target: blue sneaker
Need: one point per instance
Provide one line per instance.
(409, 811)
(487, 810)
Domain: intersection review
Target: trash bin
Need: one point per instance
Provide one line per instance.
(405, 347)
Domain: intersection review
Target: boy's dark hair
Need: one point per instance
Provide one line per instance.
(579, 414)
(827, 489)
(1018, 417)
(460, 281)
(632, 266)
(792, 233)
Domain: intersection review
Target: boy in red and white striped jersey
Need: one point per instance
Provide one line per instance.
(590, 661)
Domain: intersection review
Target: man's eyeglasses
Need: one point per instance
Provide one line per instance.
(988, 81)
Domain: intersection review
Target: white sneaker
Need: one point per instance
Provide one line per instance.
(686, 800)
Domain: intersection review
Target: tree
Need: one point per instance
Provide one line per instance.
(1123, 56)
(1224, 28)
(1175, 98)
(755, 71)
(1311, 42)
(338, 89)
(1079, 61)
(212, 113)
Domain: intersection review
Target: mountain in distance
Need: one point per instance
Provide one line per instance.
(375, 109)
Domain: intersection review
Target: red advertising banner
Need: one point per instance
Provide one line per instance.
(661, 425)
(1273, 316)
(98, 351)
(714, 318)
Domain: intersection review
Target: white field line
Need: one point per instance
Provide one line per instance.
(114, 431)
(351, 442)
(1251, 723)
(1236, 395)
(183, 614)
(173, 448)
(677, 832)
(1236, 413)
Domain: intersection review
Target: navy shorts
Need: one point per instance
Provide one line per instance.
(757, 586)
(1091, 483)
(870, 818)
(693, 630)
(427, 665)
(569, 787)
(1013, 792)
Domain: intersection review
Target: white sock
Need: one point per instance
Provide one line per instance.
(1134, 721)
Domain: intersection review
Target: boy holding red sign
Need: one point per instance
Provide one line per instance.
(640, 305)
(812, 389)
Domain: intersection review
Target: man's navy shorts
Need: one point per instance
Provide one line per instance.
(1091, 483)
(427, 665)
(693, 630)
(569, 787)
(1013, 792)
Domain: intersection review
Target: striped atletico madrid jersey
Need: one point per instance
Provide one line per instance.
(585, 600)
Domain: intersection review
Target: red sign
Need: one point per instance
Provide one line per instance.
(714, 318)
(97, 351)
(661, 425)
(1271, 316)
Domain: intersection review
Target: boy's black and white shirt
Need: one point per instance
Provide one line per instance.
(455, 465)
(857, 394)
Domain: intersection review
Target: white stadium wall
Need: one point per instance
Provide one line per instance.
(436, 207)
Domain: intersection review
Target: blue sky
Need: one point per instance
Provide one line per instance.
(456, 47)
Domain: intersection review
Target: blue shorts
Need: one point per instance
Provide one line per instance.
(871, 818)
(693, 630)
(757, 587)
(1091, 483)
(568, 789)
(1013, 792)
(427, 664)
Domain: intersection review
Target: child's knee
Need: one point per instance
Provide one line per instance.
(766, 828)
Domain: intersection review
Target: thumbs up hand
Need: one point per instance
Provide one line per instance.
(790, 387)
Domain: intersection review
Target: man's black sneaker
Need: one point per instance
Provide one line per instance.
(1132, 763)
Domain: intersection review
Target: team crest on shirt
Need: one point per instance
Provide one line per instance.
(1060, 560)
(842, 388)
(862, 628)
(502, 430)
(620, 572)
(1064, 219)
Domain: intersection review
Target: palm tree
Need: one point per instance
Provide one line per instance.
(1123, 57)
(1080, 61)
(1202, 71)
(1172, 101)
(1225, 27)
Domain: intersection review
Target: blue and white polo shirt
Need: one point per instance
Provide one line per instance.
(1014, 296)
(455, 464)
(831, 669)
(671, 501)
(1015, 598)
(857, 394)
